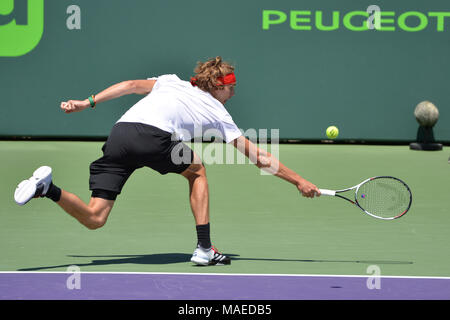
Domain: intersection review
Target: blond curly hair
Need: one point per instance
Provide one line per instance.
(206, 73)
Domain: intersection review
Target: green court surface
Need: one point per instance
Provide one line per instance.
(262, 222)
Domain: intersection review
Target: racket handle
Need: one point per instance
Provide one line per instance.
(326, 192)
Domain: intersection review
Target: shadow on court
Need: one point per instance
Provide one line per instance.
(170, 258)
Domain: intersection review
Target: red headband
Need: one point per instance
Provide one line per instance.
(228, 79)
(221, 81)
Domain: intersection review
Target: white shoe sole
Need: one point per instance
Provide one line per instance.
(199, 261)
(26, 190)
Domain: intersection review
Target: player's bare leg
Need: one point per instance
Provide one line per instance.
(198, 192)
(92, 215)
(205, 253)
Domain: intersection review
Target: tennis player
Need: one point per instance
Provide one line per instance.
(151, 134)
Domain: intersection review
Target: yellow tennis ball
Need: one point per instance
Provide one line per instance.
(332, 132)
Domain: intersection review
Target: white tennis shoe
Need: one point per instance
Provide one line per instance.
(36, 186)
(206, 257)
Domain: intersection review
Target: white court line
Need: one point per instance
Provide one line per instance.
(228, 274)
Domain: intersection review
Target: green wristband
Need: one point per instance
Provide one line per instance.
(92, 101)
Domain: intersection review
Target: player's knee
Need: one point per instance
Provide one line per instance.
(194, 171)
(201, 170)
(99, 212)
(96, 223)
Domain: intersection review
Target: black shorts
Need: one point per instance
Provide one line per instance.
(131, 146)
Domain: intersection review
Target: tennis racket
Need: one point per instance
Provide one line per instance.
(381, 197)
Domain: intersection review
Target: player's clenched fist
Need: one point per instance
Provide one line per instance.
(74, 105)
(308, 189)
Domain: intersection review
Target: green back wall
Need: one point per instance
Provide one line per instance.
(292, 76)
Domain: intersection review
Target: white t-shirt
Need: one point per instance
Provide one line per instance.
(176, 106)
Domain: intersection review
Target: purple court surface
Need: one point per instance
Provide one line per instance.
(175, 286)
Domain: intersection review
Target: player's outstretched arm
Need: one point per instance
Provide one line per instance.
(115, 91)
(269, 163)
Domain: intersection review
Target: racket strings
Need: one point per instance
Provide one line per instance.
(384, 197)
